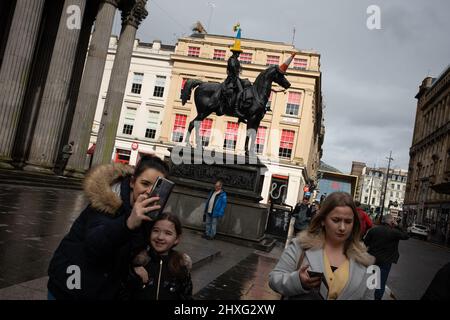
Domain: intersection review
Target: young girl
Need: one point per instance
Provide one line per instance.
(159, 272)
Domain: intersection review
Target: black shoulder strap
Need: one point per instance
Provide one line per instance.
(300, 261)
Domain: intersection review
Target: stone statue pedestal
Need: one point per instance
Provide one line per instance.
(194, 171)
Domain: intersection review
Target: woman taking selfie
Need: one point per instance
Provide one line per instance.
(160, 272)
(331, 248)
(93, 258)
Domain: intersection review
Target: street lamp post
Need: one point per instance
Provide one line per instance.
(385, 186)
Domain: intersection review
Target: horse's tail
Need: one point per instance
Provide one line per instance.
(188, 86)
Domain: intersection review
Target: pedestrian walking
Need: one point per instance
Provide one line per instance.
(159, 272)
(364, 219)
(93, 259)
(382, 242)
(314, 209)
(66, 152)
(214, 209)
(330, 247)
(302, 215)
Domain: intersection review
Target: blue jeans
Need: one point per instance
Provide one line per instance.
(384, 269)
(211, 225)
(50, 296)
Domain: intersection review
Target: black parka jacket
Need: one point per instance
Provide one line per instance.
(92, 260)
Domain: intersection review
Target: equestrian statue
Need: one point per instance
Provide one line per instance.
(235, 97)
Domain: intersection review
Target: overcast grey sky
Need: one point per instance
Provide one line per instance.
(370, 77)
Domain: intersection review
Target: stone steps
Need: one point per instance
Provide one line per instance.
(19, 177)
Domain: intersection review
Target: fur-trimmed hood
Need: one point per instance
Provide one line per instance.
(98, 186)
(358, 253)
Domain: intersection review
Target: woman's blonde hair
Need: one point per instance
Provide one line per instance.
(337, 199)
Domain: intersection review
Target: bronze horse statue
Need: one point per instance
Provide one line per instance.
(253, 103)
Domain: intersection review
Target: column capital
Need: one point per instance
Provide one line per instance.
(133, 12)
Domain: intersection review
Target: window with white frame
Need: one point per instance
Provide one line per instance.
(219, 54)
(160, 84)
(128, 123)
(178, 127)
(193, 51)
(260, 139)
(293, 104)
(245, 57)
(136, 86)
(231, 135)
(152, 124)
(205, 131)
(300, 64)
(273, 60)
(286, 144)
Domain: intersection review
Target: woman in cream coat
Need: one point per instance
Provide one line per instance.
(329, 246)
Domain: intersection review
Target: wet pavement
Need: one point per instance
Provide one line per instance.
(248, 280)
(418, 263)
(32, 223)
(33, 220)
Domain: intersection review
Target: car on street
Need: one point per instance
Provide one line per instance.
(418, 230)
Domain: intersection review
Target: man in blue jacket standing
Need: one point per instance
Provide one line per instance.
(214, 209)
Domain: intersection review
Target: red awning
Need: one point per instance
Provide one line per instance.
(91, 150)
(280, 177)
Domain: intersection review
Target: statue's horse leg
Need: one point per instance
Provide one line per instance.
(188, 134)
(252, 129)
(195, 123)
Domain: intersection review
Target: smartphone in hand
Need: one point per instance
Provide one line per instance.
(162, 189)
(314, 274)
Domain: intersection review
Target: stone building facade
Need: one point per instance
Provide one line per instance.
(428, 188)
(50, 75)
(144, 102)
(290, 137)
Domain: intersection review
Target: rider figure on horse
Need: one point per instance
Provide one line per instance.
(233, 70)
(232, 85)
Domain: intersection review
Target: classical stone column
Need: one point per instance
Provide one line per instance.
(36, 83)
(80, 58)
(132, 16)
(54, 103)
(90, 86)
(15, 71)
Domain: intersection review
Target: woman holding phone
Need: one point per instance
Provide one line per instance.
(92, 260)
(326, 261)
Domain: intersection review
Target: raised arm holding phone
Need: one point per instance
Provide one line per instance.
(94, 257)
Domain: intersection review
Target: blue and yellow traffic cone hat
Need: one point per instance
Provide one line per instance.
(237, 42)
